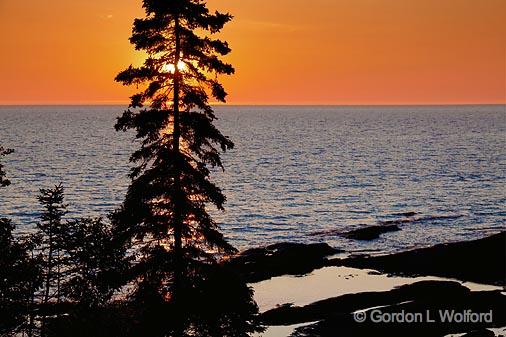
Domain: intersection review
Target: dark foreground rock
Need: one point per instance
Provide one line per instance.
(259, 264)
(427, 300)
(371, 232)
(480, 333)
(482, 261)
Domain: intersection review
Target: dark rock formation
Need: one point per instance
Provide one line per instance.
(427, 299)
(405, 214)
(371, 232)
(259, 264)
(480, 333)
(348, 303)
(482, 261)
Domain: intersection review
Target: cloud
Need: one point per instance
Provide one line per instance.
(104, 16)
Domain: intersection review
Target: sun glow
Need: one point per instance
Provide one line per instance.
(170, 68)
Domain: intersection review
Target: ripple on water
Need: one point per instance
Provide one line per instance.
(294, 170)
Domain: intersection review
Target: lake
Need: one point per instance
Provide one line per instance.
(297, 173)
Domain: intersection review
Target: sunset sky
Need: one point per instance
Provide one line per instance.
(284, 51)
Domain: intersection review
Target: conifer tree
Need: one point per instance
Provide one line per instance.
(94, 267)
(94, 262)
(50, 230)
(164, 213)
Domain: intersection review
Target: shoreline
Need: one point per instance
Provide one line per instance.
(305, 288)
(480, 260)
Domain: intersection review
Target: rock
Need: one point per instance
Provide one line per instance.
(481, 261)
(405, 214)
(480, 333)
(335, 315)
(370, 233)
(424, 291)
(259, 264)
(364, 233)
(331, 232)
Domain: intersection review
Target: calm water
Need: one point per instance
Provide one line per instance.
(297, 173)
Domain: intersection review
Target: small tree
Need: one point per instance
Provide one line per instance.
(4, 181)
(95, 267)
(49, 236)
(82, 267)
(164, 212)
(96, 263)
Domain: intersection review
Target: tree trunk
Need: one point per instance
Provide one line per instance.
(49, 265)
(31, 309)
(177, 188)
(178, 214)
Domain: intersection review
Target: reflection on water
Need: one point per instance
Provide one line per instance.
(331, 282)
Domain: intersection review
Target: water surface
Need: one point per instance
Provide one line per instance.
(300, 174)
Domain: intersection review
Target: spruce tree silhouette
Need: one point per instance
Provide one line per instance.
(164, 213)
(81, 268)
(50, 231)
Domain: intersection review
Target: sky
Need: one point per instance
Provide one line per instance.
(284, 51)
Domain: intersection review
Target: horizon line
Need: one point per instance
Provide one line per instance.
(262, 104)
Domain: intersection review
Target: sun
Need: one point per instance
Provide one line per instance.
(170, 68)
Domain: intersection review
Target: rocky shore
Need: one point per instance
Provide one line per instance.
(259, 264)
(438, 307)
(481, 261)
(427, 308)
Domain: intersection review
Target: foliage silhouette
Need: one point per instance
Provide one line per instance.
(95, 264)
(82, 268)
(19, 273)
(19, 276)
(4, 181)
(161, 247)
(164, 216)
(49, 238)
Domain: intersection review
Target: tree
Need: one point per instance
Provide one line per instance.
(51, 229)
(82, 267)
(94, 269)
(18, 278)
(19, 273)
(94, 262)
(164, 212)
(4, 181)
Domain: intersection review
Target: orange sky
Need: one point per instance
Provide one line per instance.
(285, 51)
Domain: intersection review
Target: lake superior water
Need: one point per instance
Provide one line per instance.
(302, 174)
